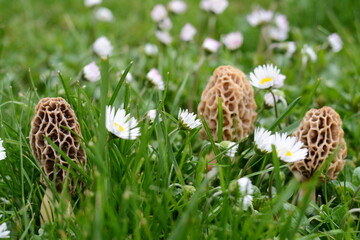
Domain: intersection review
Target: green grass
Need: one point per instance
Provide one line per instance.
(158, 186)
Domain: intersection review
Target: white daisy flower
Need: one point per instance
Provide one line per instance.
(104, 14)
(281, 29)
(211, 45)
(163, 37)
(4, 200)
(92, 72)
(188, 120)
(215, 6)
(158, 13)
(177, 6)
(279, 96)
(121, 124)
(308, 53)
(246, 202)
(264, 76)
(165, 24)
(259, 17)
(263, 139)
(245, 186)
(155, 77)
(2, 150)
(289, 149)
(102, 47)
(233, 40)
(335, 42)
(290, 48)
(4, 232)
(231, 148)
(246, 190)
(151, 49)
(187, 32)
(151, 114)
(91, 3)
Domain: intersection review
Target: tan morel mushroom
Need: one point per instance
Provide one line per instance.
(321, 133)
(53, 117)
(238, 104)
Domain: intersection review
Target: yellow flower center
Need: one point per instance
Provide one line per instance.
(265, 80)
(121, 129)
(288, 154)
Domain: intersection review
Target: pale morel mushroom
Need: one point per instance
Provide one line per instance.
(321, 132)
(238, 104)
(54, 118)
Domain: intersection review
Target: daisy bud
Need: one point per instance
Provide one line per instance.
(308, 53)
(4, 232)
(187, 33)
(245, 186)
(2, 150)
(92, 72)
(91, 3)
(211, 45)
(155, 77)
(259, 17)
(177, 6)
(269, 99)
(163, 37)
(165, 24)
(151, 114)
(158, 13)
(102, 47)
(231, 148)
(104, 14)
(151, 49)
(335, 42)
(214, 6)
(233, 40)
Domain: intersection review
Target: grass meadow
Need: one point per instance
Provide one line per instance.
(158, 186)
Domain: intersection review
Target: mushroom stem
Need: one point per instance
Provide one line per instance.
(48, 206)
(303, 192)
(47, 210)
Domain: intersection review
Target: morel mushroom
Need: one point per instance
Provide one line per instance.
(321, 133)
(53, 117)
(238, 104)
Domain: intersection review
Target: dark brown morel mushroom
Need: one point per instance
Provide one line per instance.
(321, 133)
(54, 118)
(238, 104)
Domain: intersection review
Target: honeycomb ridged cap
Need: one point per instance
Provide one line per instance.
(238, 104)
(50, 115)
(321, 132)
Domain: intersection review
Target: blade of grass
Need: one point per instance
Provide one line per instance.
(121, 81)
(284, 114)
(220, 119)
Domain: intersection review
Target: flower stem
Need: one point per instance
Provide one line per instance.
(247, 165)
(195, 82)
(275, 106)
